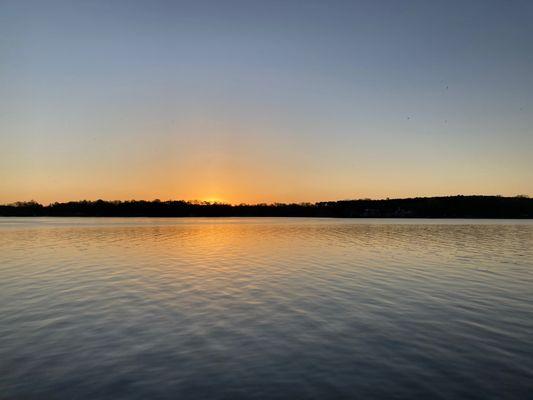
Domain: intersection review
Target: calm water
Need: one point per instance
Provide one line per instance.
(265, 308)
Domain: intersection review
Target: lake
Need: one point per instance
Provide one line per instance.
(287, 308)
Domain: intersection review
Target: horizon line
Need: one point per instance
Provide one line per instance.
(226, 203)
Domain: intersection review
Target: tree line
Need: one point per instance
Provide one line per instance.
(419, 207)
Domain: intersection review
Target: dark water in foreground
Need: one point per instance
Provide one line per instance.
(265, 308)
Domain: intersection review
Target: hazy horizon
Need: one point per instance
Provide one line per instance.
(278, 101)
(214, 201)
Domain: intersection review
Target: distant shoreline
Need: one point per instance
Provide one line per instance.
(475, 207)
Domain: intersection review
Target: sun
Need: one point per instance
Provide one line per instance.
(213, 200)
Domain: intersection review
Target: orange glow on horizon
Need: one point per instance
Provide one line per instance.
(213, 200)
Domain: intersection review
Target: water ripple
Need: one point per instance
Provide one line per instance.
(265, 308)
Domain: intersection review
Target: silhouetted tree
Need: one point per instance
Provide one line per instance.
(420, 207)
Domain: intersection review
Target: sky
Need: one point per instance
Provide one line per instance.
(264, 101)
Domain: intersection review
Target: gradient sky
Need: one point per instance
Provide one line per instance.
(263, 101)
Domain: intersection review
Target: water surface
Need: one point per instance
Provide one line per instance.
(265, 308)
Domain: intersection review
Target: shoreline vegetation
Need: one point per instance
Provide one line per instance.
(419, 207)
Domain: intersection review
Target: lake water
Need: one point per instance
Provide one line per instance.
(265, 308)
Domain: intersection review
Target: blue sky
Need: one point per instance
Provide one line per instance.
(265, 101)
